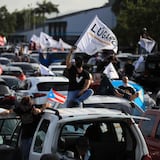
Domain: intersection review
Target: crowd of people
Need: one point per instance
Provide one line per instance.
(79, 89)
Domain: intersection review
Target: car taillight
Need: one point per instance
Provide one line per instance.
(147, 157)
(36, 95)
(11, 98)
(22, 77)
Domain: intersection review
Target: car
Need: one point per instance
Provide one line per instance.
(112, 102)
(8, 55)
(109, 102)
(29, 69)
(56, 57)
(111, 134)
(4, 61)
(151, 131)
(104, 87)
(14, 71)
(150, 77)
(35, 56)
(57, 69)
(39, 87)
(12, 81)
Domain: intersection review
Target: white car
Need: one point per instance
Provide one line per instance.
(57, 69)
(39, 87)
(112, 135)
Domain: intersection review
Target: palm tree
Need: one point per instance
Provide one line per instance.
(45, 7)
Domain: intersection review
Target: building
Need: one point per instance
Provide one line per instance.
(70, 26)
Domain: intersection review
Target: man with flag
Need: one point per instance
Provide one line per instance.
(146, 43)
(79, 81)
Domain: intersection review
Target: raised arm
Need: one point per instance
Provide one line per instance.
(69, 57)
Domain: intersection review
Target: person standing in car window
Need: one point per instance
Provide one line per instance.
(79, 81)
(30, 117)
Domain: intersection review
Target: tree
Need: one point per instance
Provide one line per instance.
(45, 7)
(135, 15)
(7, 21)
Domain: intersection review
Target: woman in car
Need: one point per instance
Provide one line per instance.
(30, 117)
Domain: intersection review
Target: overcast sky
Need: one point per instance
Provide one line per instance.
(65, 6)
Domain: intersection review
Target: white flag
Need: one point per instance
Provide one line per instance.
(111, 72)
(63, 45)
(47, 41)
(147, 44)
(98, 36)
(139, 61)
(35, 39)
(45, 71)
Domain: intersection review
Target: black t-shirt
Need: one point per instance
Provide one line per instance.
(127, 89)
(29, 121)
(77, 80)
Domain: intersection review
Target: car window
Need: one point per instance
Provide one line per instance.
(7, 128)
(147, 125)
(58, 86)
(40, 137)
(105, 138)
(157, 135)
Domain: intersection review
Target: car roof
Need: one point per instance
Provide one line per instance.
(11, 68)
(57, 66)
(9, 76)
(74, 113)
(104, 99)
(48, 79)
(71, 114)
(2, 81)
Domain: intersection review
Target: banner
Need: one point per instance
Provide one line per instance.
(44, 71)
(139, 61)
(47, 41)
(63, 45)
(147, 44)
(35, 39)
(111, 72)
(97, 36)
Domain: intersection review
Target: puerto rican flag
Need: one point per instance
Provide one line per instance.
(54, 96)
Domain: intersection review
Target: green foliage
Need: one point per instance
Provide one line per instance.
(135, 15)
(7, 21)
(26, 18)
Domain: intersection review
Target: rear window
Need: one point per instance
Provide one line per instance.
(58, 86)
(24, 66)
(12, 73)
